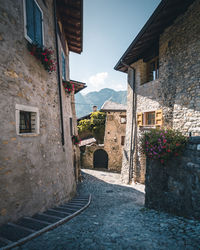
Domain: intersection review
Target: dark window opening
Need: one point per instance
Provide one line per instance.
(71, 126)
(153, 69)
(122, 140)
(27, 122)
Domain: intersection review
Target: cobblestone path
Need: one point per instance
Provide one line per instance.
(116, 220)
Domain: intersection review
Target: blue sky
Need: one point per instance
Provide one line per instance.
(109, 26)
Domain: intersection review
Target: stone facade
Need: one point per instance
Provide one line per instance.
(87, 156)
(36, 171)
(175, 187)
(114, 138)
(176, 92)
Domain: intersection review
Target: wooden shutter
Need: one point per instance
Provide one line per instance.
(139, 119)
(159, 117)
(38, 25)
(30, 19)
(63, 67)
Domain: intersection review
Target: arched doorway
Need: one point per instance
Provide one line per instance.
(100, 159)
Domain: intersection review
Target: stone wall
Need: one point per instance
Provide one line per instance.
(88, 154)
(176, 92)
(36, 172)
(114, 130)
(175, 188)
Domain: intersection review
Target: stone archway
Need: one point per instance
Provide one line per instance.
(100, 159)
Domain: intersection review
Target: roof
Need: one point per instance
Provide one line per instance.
(87, 142)
(78, 86)
(164, 15)
(71, 15)
(113, 106)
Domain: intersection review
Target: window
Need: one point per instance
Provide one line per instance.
(71, 126)
(153, 69)
(123, 119)
(122, 140)
(27, 120)
(33, 20)
(63, 66)
(153, 118)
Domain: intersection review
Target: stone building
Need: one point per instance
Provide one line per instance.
(109, 154)
(163, 78)
(36, 155)
(115, 130)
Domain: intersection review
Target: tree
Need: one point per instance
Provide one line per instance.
(94, 126)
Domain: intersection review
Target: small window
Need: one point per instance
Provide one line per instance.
(33, 20)
(153, 69)
(153, 118)
(27, 120)
(71, 126)
(123, 119)
(122, 140)
(150, 118)
(63, 66)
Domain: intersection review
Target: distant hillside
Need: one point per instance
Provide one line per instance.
(84, 103)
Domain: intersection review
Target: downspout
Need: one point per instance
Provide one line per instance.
(58, 72)
(133, 125)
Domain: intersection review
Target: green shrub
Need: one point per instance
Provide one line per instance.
(163, 144)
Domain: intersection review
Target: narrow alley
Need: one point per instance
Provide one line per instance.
(116, 219)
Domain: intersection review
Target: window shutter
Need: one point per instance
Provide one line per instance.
(30, 19)
(63, 67)
(38, 25)
(139, 119)
(159, 117)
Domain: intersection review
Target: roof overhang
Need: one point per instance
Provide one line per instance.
(78, 86)
(71, 15)
(164, 15)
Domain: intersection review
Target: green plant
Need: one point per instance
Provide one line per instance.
(68, 86)
(45, 55)
(94, 126)
(163, 144)
(75, 139)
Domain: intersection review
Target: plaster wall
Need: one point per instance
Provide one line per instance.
(36, 172)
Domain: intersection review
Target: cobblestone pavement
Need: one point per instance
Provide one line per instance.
(116, 219)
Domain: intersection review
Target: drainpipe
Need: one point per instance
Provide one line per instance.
(58, 72)
(133, 124)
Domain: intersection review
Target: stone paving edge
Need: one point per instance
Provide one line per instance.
(48, 228)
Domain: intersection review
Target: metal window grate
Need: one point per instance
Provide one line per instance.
(27, 122)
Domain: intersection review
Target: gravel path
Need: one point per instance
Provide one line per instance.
(116, 219)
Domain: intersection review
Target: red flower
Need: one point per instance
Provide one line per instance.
(46, 60)
(168, 150)
(177, 144)
(164, 141)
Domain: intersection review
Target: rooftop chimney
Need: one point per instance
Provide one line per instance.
(94, 108)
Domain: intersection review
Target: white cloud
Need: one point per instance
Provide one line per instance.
(103, 80)
(98, 79)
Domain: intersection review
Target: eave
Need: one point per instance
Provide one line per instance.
(70, 13)
(78, 86)
(164, 15)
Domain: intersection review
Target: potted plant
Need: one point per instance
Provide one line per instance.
(68, 86)
(44, 55)
(75, 140)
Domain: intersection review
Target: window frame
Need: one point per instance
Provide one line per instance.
(18, 108)
(123, 117)
(25, 23)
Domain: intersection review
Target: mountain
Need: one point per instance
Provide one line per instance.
(84, 103)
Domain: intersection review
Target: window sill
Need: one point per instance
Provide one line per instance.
(28, 135)
(146, 127)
